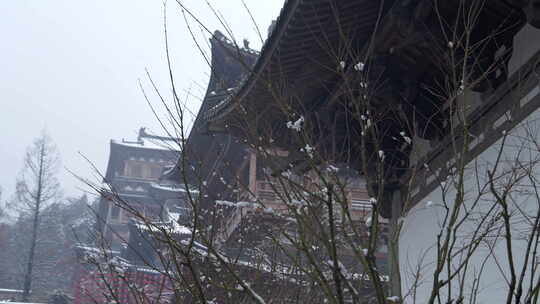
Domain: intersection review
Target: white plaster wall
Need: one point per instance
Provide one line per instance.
(423, 223)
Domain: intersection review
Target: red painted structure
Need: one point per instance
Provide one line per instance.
(134, 285)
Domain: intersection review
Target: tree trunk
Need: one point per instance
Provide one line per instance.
(35, 225)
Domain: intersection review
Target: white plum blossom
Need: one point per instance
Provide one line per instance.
(342, 65)
(286, 174)
(393, 299)
(297, 125)
(407, 139)
(461, 87)
(359, 66)
(381, 155)
(308, 149)
(373, 200)
(213, 93)
(331, 168)
(450, 44)
(365, 251)
(368, 221)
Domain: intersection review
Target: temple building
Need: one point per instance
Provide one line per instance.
(133, 176)
(375, 82)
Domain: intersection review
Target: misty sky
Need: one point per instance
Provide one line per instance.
(72, 67)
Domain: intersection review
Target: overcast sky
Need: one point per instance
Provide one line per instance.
(72, 67)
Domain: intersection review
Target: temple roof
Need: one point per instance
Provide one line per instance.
(303, 52)
(315, 66)
(314, 41)
(146, 140)
(229, 64)
(159, 148)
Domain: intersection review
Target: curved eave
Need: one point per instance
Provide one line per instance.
(301, 59)
(294, 53)
(229, 63)
(226, 56)
(287, 13)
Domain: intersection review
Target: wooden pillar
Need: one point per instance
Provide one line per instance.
(253, 173)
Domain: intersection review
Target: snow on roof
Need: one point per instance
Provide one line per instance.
(233, 204)
(176, 227)
(180, 229)
(96, 249)
(148, 270)
(172, 188)
(150, 141)
(171, 227)
(155, 144)
(281, 270)
(5, 290)
(168, 170)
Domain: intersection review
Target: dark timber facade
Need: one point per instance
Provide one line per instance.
(401, 42)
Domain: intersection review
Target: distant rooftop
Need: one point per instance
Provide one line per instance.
(150, 141)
